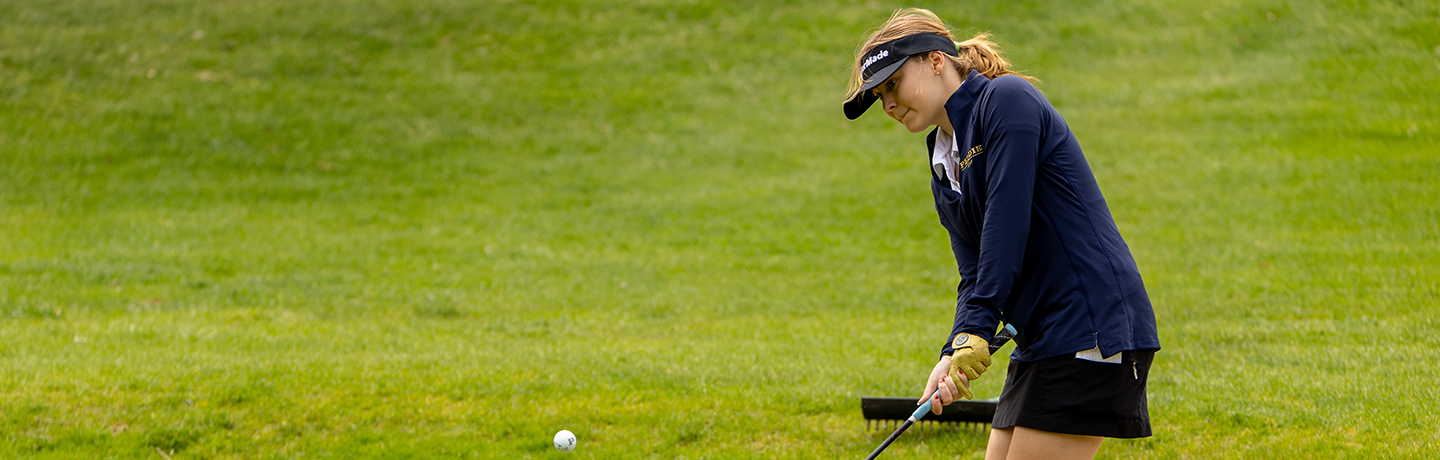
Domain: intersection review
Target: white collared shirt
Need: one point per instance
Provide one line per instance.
(943, 159)
(1093, 354)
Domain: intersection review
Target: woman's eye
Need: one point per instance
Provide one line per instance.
(887, 86)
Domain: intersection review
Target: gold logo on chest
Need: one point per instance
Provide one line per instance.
(970, 156)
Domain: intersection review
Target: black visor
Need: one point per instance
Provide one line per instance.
(883, 60)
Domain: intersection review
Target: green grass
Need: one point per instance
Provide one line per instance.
(450, 229)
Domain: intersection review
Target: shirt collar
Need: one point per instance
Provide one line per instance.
(959, 108)
(942, 159)
(962, 103)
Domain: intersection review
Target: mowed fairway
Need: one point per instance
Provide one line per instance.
(391, 229)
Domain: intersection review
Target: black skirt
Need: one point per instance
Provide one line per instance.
(1075, 396)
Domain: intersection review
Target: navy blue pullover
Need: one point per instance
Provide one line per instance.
(1035, 243)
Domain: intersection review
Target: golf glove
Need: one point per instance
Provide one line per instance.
(971, 356)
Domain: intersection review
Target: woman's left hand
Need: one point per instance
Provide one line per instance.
(949, 388)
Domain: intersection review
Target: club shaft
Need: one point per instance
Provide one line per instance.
(891, 439)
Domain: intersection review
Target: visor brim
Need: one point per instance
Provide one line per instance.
(863, 99)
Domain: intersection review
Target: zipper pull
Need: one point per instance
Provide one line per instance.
(1135, 367)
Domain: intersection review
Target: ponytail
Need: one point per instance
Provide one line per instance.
(982, 55)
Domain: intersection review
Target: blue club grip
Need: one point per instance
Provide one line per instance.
(924, 408)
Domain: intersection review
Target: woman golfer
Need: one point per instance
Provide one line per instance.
(1033, 237)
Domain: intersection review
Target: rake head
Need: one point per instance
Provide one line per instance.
(887, 413)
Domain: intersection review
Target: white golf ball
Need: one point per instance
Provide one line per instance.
(565, 441)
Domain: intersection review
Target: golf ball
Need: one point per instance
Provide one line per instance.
(565, 441)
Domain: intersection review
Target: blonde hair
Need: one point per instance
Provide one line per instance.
(978, 53)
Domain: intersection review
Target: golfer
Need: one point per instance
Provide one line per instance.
(1033, 237)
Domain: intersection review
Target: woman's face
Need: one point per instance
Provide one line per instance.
(915, 95)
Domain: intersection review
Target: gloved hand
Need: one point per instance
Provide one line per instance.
(971, 356)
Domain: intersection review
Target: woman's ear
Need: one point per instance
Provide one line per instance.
(936, 60)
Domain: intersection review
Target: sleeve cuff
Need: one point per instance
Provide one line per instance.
(989, 335)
